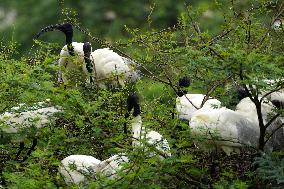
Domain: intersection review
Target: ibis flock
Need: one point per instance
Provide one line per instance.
(224, 129)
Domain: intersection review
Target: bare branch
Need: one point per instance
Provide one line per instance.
(270, 92)
(271, 120)
(272, 133)
(212, 89)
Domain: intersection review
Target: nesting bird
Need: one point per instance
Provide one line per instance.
(110, 167)
(276, 97)
(248, 108)
(112, 70)
(76, 169)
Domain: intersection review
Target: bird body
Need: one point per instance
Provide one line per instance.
(237, 128)
(276, 97)
(152, 137)
(247, 108)
(140, 133)
(75, 168)
(70, 65)
(109, 68)
(38, 115)
(227, 129)
(112, 69)
(187, 104)
(112, 165)
(21, 117)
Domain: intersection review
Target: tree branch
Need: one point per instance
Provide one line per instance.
(273, 132)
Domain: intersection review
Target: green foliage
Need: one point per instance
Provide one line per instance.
(33, 176)
(222, 184)
(270, 168)
(210, 41)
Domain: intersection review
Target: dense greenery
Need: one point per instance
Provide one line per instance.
(217, 44)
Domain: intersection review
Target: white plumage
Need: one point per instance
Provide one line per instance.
(74, 56)
(112, 165)
(235, 128)
(247, 108)
(112, 69)
(107, 67)
(140, 133)
(277, 97)
(23, 116)
(225, 129)
(18, 117)
(75, 168)
(152, 137)
(185, 105)
(69, 65)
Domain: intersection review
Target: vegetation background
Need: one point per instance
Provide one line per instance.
(168, 38)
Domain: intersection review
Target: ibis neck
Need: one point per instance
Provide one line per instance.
(89, 65)
(69, 45)
(136, 127)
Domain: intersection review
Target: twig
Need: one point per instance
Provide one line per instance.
(272, 91)
(273, 132)
(270, 121)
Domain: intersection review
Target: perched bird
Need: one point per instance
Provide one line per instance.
(232, 130)
(248, 108)
(22, 116)
(141, 133)
(74, 56)
(76, 168)
(276, 97)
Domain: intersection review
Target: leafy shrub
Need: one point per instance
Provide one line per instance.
(270, 168)
(93, 119)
